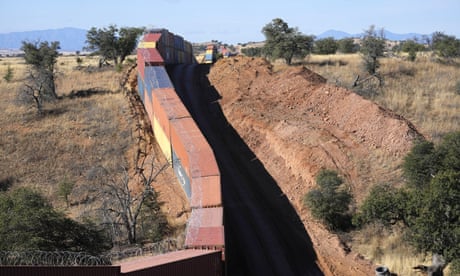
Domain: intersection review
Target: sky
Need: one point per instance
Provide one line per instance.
(234, 21)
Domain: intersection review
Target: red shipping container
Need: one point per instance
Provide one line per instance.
(151, 37)
(205, 237)
(206, 192)
(207, 217)
(184, 262)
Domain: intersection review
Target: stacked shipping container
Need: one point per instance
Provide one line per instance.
(179, 137)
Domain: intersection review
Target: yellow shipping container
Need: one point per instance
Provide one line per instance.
(162, 139)
(149, 44)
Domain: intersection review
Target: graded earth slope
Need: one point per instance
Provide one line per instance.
(297, 124)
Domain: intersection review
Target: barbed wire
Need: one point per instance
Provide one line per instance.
(53, 258)
(69, 258)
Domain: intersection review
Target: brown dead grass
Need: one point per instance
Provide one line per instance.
(86, 138)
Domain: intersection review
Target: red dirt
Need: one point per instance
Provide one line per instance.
(297, 124)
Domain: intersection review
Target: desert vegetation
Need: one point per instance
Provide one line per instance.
(73, 154)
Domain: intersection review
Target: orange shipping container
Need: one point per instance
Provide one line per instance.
(192, 148)
(206, 192)
(207, 217)
(205, 237)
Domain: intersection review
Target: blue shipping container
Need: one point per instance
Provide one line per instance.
(156, 77)
(181, 175)
(140, 86)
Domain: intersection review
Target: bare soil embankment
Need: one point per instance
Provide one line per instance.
(297, 124)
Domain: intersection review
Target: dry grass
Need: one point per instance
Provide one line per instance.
(78, 136)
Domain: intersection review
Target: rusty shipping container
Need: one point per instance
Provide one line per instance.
(205, 237)
(208, 217)
(185, 262)
(206, 192)
(192, 148)
(60, 270)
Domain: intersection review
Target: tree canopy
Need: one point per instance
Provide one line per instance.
(326, 46)
(372, 48)
(29, 222)
(282, 41)
(445, 46)
(39, 85)
(330, 202)
(429, 205)
(113, 43)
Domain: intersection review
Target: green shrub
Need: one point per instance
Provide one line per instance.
(330, 202)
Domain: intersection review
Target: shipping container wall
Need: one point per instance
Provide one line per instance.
(140, 86)
(205, 237)
(162, 139)
(181, 175)
(206, 192)
(205, 265)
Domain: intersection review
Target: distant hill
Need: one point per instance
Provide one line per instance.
(71, 39)
(388, 35)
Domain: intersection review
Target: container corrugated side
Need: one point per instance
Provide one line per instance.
(140, 86)
(151, 37)
(206, 192)
(192, 148)
(205, 237)
(184, 262)
(181, 175)
(140, 63)
(182, 133)
(148, 106)
(171, 103)
(162, 139)
(208, 217)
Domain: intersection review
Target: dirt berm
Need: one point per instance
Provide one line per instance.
(297, 124)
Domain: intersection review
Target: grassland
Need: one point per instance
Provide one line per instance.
(81, 132)
(425, 91)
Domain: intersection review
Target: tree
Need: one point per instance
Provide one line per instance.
(330, 202)
(445, 46)
(325, 46)
(8, 77)
(284, 42)
(430, 204)
(347, 46)
(412, 47)
(40, 83)
(123, 205)
(29, 222)
(252, 51)
(420, 164)
(383, 204)
(372, 48)
(436, 227)
(113, 43)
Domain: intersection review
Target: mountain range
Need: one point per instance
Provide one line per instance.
(388, 35)
(73, 39)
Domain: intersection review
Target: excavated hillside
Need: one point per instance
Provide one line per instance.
(297, 124)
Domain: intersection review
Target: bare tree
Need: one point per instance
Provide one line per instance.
(123, 205)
